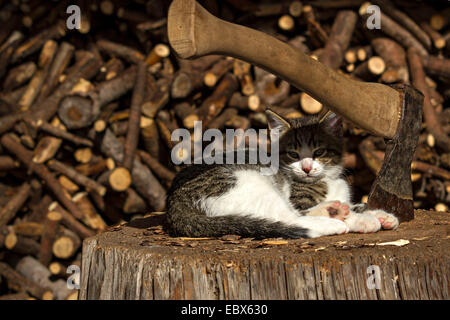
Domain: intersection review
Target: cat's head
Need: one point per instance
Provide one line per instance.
(310, 147)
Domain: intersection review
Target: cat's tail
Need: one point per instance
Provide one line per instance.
(197, 224)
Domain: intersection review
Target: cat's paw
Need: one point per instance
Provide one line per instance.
(331, 209)
(388, 221)
(323, 226)
(363, 223)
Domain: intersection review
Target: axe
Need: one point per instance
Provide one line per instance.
(394, 113)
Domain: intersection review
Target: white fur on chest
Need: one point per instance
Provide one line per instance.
(338, 189)
(253, 195)
(259, 196)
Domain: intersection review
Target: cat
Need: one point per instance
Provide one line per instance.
(306, 198)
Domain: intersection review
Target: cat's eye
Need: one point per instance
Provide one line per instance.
(319, 152)
(293, 155)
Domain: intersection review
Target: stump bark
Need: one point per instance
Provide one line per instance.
(140, 261)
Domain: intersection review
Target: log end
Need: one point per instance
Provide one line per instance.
(120, 179)
(309, 104)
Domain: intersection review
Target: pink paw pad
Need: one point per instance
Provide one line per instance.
(338, 210)
(387, 220)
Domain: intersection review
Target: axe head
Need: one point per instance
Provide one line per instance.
(392, 188)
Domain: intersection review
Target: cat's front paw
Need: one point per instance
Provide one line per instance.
(363, 223)
(388, 221)
(331, 209)
(326, 227)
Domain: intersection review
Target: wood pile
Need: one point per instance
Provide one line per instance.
(86, 115)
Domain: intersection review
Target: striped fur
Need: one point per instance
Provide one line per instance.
(219, 199)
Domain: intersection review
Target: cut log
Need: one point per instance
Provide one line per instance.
(32, 269)
(140, 261)
(22, 245)
(10, 209)
(158, 52)
(120, 179)
(309, 104)
(370, 69)
(295, 8)
(286, 22)
(340, 36)
(142, 178)
(217, 71)
(186, 114)
(83, 155)
(91, 217)
(18, 282)
(66, 244)
(76, 112)
(48, 237)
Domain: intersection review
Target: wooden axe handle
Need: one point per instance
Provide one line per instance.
(194, 32)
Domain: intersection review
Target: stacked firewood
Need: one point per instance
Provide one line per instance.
(86, 115)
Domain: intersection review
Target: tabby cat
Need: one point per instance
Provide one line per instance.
(307, 197)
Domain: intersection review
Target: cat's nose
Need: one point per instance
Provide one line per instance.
(307, 165)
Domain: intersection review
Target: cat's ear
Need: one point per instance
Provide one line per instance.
(332, 123)
(277, 125)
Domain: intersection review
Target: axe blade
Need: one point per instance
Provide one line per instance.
(392, 188)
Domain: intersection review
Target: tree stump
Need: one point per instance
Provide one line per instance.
(140, 261)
